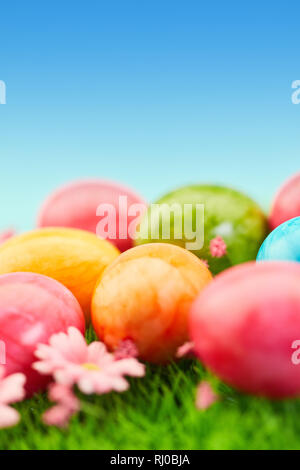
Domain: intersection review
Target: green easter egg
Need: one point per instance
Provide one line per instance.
(194, 215)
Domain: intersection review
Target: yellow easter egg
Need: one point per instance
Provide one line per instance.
(75, 258)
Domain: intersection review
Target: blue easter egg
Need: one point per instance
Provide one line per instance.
(283, 243)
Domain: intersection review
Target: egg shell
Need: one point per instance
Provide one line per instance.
(75, 258)
(145, 296)
(228, 214)
(283, 243)
(286, 204)
(32, 308)
(244, 324)
(75, 205)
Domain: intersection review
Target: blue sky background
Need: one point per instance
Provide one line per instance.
(155, 94)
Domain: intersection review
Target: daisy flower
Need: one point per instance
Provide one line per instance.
(91, 367)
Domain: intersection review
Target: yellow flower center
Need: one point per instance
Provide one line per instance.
(90, 366)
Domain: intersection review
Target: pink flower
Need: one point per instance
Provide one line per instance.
(11, 391)
(71, 361)
(126, 349)
(187, 349)
(6, 234)
(218, 247)
(68, 404)
(205, 262)
(205, 396)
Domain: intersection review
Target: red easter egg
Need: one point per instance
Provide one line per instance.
(32, 308)
(108, 209)
(244, 326)
(286, 204)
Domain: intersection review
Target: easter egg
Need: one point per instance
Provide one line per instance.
(32, 308)
(286, 204)
(244, 326)
(145, 296)
(283, 243)
(75, 258)
(108, 209)
(202, 215)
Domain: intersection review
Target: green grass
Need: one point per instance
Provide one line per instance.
(157, 413)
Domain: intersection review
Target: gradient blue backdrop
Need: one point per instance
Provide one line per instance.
(152, 93)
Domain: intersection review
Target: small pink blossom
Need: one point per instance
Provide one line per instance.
(6, 234)
(11, 391)
(126, 349)
(205, 262)
(94, 370)
(218, 247)
(67, 405)
(58, 415)
(205, 396)
(187, 349)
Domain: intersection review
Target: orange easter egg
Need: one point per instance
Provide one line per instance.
(145, 296)
(75, 258)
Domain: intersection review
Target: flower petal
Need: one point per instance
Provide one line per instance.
(12, 388)
(96, 352)
(63, 395)
(8, 416)
(86, 385)
(187, 349)
(43, 367)
(58, 415)
(130, 367)
(72, 346)
(205, 396)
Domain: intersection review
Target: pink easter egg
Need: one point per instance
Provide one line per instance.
(108, 209)
(32, 308)
(245, 326)
(6, 235)
(286, 204)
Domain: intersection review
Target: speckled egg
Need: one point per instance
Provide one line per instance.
(233, 225)
(75, 258)
(283, 243)
(145, 296)
(32, 308)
